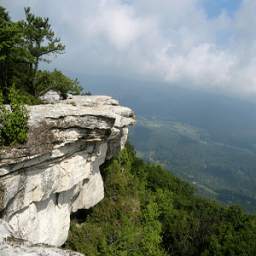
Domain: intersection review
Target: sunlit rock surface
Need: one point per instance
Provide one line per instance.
(11, 246)
(57, 171)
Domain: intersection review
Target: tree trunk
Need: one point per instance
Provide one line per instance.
(34, 77)
(5, 80)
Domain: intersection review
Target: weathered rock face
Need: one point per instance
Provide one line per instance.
(11, 246)
(57, 171)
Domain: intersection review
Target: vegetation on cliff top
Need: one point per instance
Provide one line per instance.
(147, 211)
(13, 120)
(23, 45)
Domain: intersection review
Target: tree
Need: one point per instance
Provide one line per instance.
(12, 51)
(41, 42)
(56, 81)
(3, 15)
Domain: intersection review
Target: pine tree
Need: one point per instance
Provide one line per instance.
(41, 42)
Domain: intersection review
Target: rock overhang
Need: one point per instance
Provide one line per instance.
(57, 171)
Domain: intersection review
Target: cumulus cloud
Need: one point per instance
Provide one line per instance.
(173, 41)
(116, 23)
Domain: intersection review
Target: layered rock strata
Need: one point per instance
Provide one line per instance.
(57, 171)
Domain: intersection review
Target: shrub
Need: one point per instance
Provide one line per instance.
(27, 98)
(13, 120)
(56, 81)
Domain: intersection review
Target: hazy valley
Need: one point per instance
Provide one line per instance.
(218, 170)
(205, 138)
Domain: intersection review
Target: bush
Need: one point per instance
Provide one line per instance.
(28, 99)
(56, 81)
(13, 120)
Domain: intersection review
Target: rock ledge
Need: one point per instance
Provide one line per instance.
(57, 171)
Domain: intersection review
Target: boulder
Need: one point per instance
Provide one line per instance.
(51, 97)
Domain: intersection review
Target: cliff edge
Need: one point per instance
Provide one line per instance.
(57, 171)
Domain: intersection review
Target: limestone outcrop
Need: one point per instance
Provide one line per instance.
(57, 171)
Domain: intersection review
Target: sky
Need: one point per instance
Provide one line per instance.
(209, 44)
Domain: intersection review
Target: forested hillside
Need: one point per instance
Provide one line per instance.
(147, 211)
(217, 170)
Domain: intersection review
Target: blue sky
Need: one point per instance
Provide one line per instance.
(209, 44)
(215, 7)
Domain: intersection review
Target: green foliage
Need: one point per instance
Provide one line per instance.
(40, 37)
(57, 81)
(121, 225)
(147, 211)
(13, 53)
(13, 128)
(3, 15)
(28, 99)
(41, 42)
(23, 45)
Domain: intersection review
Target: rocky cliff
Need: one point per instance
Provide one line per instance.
(57, 171)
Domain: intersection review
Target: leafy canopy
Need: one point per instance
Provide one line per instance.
(148, 211)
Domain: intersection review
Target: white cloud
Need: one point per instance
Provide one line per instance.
(116, 23)
(203, 65)
(169, 40)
